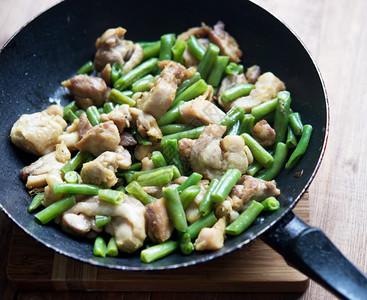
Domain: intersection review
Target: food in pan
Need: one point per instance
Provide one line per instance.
(166, 146)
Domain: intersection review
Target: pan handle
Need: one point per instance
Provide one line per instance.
(310, 251)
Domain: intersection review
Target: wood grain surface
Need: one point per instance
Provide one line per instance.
(335, 32)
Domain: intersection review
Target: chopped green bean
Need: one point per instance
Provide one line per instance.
(291, 140)
(71, 116)
(235, 129)
(108, 107)
(193, 179)
(171, 115)
(171, 153)
(206, 221)
(186, 246)
(120, 98)
(175, 128)
(86, 68)
(167, 42)
(111, 196)
(261, 110)
(217, 71)
(178, 50)
(143, 84)
(195, 48)
(270, 203)
(102, 220)
(135, 190)
(247, 123)
(188, 82)
(236, 92)
(158, 251)
(99, 248)
(156, 178)
(116, 71)
(225, 185)
(93, 115)
(281, 118)
(71, 177)
(234, 69)
(158, 159)
(36, 202)
(55, 209)
(112, 249)
(171, 168)
(189, 194)
(208, 61)
(175, 209)
(191, 92)
(296, 123)
(206, 205)
(151, 50)
(75, 188)
(76, 162)
(254, 168)
(72, 107)
(232, 116)
(259, 153)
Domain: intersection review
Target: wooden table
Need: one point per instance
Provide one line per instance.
(336, 34)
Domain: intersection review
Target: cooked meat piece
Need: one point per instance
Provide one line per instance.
(159, 225)
(184, 146)
(106, 74)
(196, 31)
(146, 125)
(142, 151)
(267, 87)
(211, 238)
(253, 73)
(126, 139)
(211, 156)
(112, 47)
(225, 41)
(200, 112)
(49, 196)
(228, 82)
(161, 95)
(70, 136)
(127, 224)
(263, 133)
(102, 137)
(36, 173)
(103, 168)
(192, 211)
(87, 90)
(224, 209)
(80, 225)
(147, 164)
(37, 133)
(84, 125)
(247, 103)
(189, 59)
(121, 116)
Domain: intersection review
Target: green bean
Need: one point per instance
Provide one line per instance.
(116, 71)
(171, 153)
(178, 50)
(209, 58)
(171, 115)
(195, 48)
(111, 196)
(167, 42)
(87, 68)
(100, 110)
(236, 92)
(135, 190)
(191, 92)
(270, 203)
(291, 140)
(71, 116)
(155, 179)
(207, 221)
(254, 168)
(171, 168)
(141, 140)
(145, 44)
(261, 110)
(186, 246)
(225, 185)
(138, 72)
(120, 98)
(79, 112)
(193, 179)
(71, 177)
(158, 159)
(296, 123)
(175, 209)
(55, 209)
(301, 147)
(108, 107)
(75, 188)
(76, 162)
(135, 167)
(188, 82)
(245, 219)
(232, 116)
(217, 71)
(247, 123)
(129, 176)
(235, 129)
(206, 205)
(259, 153)
(93, 115)
(281, 118)
(151, 50)
(190, 134)
(280, 155)
(234, 69)
(175, 128)
(71, 106)
(102, 220)
(158, 251)
(121, 188)
(36, 202)
(99, 248)
(112, 249)
(142, 84)
(189, 194)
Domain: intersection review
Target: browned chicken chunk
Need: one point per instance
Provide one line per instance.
(146, 125)
(263, 133)
(37, 133)
(253, 73)
(120, 116)
(87, 90)
(211, 238)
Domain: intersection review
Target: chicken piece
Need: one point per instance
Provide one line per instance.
(189, 59)
(211, 238)
(147, 164)
(267, 87)
(36, 173)
(159, 225)
(37, 133)
(225, 41)
(196, 31)
(126, 139)
(146, 125)
(84, 125)
(200, 112)
(212, 157)
(49, 196)
(263, 133)
(142, 151)
(102, 137)
(247, 103)
(161, 95)
(121, 116)
(103, 168)
(253, 73)
(184, 147)
(112, 47)
(192, 211)
(70, 136)
(80, 225)
(127, 220)
(87, 90)
(105, 74)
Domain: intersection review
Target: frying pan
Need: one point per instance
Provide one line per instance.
(51, 48)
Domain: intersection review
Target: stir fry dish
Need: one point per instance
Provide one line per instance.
(165, 146)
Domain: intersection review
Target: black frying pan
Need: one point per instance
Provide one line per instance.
(50, 49)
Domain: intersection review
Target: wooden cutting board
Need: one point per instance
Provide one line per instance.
(254, 268)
